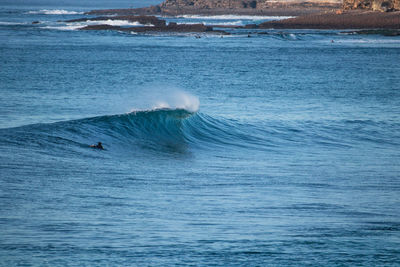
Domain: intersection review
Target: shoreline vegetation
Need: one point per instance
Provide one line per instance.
(367, 16)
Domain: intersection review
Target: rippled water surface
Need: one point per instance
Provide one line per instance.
(278, 149)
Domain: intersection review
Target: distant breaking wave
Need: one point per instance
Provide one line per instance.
(78, 25)
(55, 12)
(235, 17)
(229, 23)
(10, 23)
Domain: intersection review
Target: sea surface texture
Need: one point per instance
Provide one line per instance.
(282, 148)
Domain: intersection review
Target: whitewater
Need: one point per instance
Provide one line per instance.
(267, 148)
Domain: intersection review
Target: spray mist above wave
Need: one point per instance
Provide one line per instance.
(156, 99)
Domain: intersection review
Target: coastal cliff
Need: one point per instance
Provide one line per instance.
(221, 7)
(238, 4)
(310, 14)
(245, 6)
(375, 5)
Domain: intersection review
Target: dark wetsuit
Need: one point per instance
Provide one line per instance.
(98, 146)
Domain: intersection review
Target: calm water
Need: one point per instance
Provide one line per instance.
(279, 149)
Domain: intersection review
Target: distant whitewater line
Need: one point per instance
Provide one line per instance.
(55, 12)
(230, 23)
(78, 25)
(235, 17)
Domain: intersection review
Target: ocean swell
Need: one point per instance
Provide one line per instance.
(180, 130)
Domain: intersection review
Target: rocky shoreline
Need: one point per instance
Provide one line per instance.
(351, 14)
(367, 22)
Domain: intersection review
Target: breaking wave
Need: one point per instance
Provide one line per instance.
(177, 130)
(157, 129)
(174, 123)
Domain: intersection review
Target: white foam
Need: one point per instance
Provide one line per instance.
(62, 28)
(55, 12)
(235, 17)
(229, 23)
(116, 23)
(77, 25)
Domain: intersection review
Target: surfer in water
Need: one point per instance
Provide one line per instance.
(98, 146)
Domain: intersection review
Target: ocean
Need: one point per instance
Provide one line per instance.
(282, 149)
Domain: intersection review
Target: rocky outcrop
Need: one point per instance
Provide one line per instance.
(345, 20)
(170, 28)
(375, 5)
(157, 25)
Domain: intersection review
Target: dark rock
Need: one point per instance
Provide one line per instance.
(101, 27)
(171, 27)
(250, 26)
(35, 22)
(380, 32)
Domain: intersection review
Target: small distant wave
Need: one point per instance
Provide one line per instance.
(54, 12)
(287, 36)
(235, 17)
(10, 23)
(62, 28)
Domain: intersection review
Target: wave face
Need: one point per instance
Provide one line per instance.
(157, 129)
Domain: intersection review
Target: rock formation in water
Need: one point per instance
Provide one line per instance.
(376, 5)
(353, 19)
(150, 24)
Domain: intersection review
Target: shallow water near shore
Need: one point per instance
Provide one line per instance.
(278, 149)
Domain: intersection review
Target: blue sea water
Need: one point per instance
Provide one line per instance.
(279, 149)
